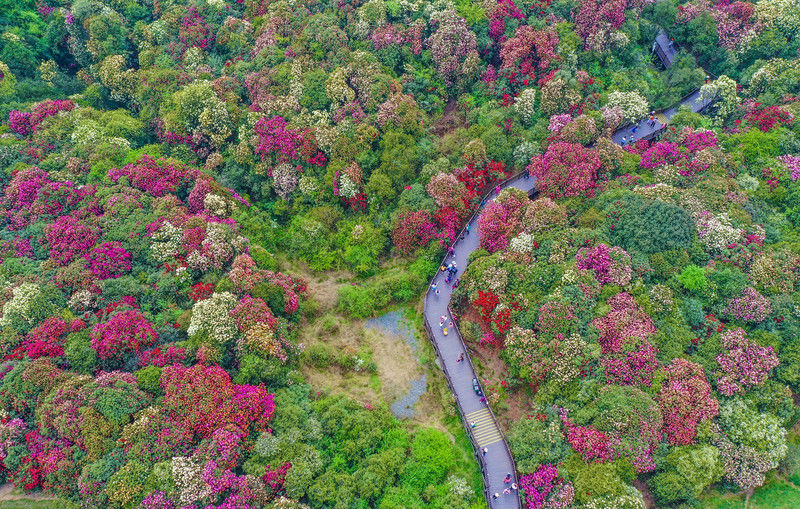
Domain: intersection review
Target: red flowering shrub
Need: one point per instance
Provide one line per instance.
(46, 339)
(203, 399)
(769, 117)
(486, 302)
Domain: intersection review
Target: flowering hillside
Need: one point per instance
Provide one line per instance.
(167, 168)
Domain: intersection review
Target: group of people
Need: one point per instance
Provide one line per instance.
(651, 123)
(451, 269)
(443, 319)
(510, 486)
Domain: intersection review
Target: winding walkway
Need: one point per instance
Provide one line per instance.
(480, 423)
(497, 461)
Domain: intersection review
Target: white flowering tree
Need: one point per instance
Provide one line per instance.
(724, 90)
(633, 105)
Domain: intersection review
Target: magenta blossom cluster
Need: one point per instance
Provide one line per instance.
(46, 339)
(750, 306)
(744, 364)
(792, 164)
(610, 265)
(276, 139)
(632, 367)
(625, 322)
(70, 238)
(125, 332)
(109, 260)
(546, 489)
(24, 123)
(155, 177)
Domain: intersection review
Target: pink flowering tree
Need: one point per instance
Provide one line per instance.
(501, 219)
(156, 177)
(685, 400)
(611, 265)
(124, 333)
(529, 49)
(26, 123)
(750, 306)
(69, 238)
(412, 230)
(743, 364)
(595, 21)
(109, 260)
(625, 321)
(454, 47)
(495, 227)
(447, 190)
(277, 143)
(593, 445)
(546, 489)
(566, 169)
(634, 366)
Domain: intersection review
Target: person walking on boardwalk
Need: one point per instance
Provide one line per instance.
(460, 357)
(496, 495)
(485, 450)
(508, 478)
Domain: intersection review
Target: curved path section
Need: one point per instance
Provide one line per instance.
(646, 131)
(491, 449)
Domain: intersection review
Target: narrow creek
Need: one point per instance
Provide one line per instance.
(393, 325)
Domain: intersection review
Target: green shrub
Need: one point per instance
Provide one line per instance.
(649, 226)
(693, 278)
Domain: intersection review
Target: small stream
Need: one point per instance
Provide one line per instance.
(392, 323)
